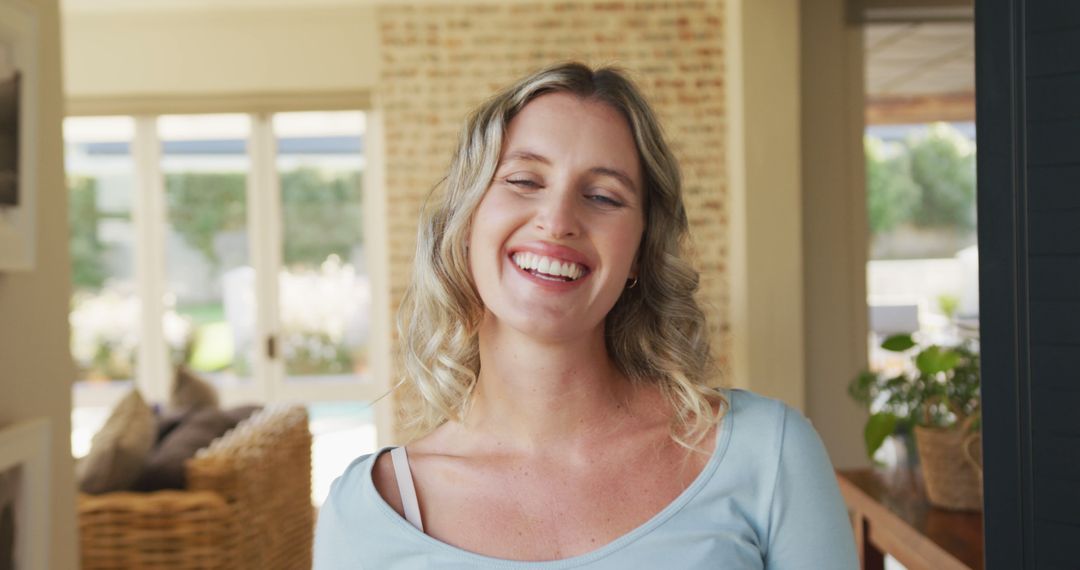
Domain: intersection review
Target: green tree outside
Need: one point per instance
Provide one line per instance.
(202, 205)
(943, 166)
(321, 216)
(321, 213)
(87, 249)
(928, 182)
(891, 194)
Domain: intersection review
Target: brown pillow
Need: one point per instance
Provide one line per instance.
(118, 451)
(165, 467)
(190, 392)
(241, 413)
(168, 420)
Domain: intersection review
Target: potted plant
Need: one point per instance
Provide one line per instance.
(936, 398)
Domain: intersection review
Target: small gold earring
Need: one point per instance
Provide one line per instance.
(633, 284)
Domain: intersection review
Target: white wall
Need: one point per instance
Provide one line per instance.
(766, 238)
(214, 51)
(36, 371)
(835, 234)
(799, 230)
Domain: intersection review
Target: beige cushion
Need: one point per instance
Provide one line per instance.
(190, 392)
(118, 451)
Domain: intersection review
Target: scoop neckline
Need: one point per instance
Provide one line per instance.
(662, 516)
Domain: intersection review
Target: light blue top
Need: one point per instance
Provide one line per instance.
(767, 498)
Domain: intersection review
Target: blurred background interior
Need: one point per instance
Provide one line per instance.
(240, 179)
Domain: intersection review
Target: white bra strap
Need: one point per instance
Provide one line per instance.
(405, 486)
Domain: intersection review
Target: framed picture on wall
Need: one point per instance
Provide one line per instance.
(18, 134)
(25, 487)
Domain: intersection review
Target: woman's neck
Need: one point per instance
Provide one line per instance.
(533, 397)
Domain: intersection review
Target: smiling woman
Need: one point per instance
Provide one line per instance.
(568, 411)
(568, 203)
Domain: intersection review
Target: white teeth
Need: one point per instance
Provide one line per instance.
(548, 266)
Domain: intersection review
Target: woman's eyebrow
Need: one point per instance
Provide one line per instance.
(525, 155)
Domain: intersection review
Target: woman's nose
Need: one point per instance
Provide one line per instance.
(558, 215)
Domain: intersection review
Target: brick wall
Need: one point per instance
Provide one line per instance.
(439, 60)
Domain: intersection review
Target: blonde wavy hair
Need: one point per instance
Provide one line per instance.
(656, 331)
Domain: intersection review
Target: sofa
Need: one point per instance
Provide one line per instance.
(247, 505)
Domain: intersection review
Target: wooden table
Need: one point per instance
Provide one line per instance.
(892, 516)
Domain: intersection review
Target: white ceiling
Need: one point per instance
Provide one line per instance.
(933, 58)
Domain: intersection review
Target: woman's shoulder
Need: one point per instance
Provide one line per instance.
(360, 468)
(349, 487)
(345, 517)
(766, 427)
(754, 410)
(789, 483)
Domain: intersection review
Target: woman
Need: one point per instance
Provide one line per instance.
(551, 335)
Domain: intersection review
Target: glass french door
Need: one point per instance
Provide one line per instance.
(239, 247)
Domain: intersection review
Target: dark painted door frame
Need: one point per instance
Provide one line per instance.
(1002, 198)
(1028, 139)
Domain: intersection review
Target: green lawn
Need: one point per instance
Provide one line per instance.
(213, 348)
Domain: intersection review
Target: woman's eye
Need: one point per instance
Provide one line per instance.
(604, 200)
(523, 183)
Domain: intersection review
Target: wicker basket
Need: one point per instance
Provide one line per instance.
(951, 470)
(248, 505)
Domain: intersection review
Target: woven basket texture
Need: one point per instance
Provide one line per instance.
(952, 480)
(247, 506)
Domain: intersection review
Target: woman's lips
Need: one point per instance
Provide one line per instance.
(548, 283)
(554, 251)
(545, 266)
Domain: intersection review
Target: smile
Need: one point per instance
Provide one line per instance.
(549, 268)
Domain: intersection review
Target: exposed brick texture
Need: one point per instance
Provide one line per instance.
(439, 60)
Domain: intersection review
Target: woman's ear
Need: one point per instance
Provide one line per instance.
(632, 277)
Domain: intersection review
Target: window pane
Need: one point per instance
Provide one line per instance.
(324, 288)
(210, 281)
(104, 306)
(922, 276)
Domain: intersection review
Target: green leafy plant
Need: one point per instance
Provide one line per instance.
(948, 304)
(940, 388)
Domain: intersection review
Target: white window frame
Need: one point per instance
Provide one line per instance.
(269, 383)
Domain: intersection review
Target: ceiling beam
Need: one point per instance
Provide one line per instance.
(913, 11)
(897, 110)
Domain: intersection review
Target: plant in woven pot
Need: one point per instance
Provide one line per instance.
(936, 398)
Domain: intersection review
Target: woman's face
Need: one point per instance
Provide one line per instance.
(555, 237)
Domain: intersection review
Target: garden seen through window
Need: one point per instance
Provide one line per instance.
(922, 276)
(250, 228)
